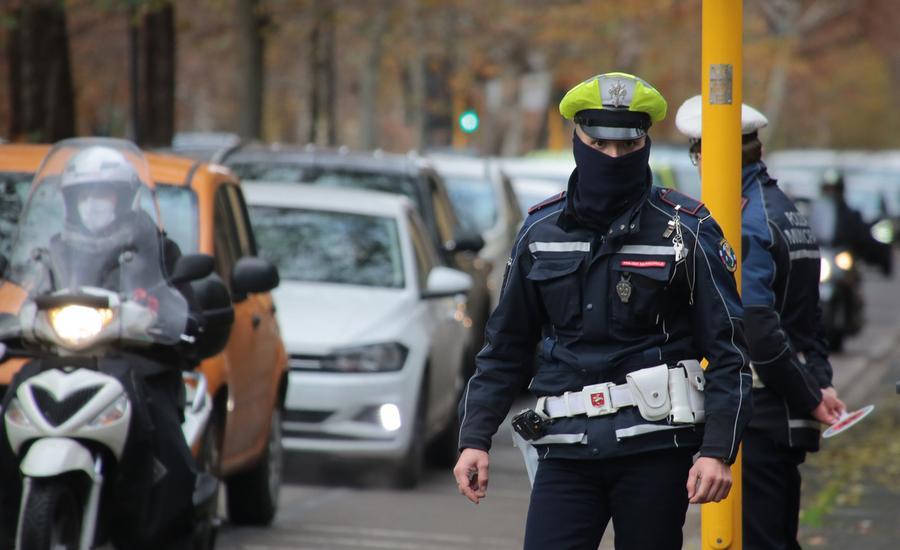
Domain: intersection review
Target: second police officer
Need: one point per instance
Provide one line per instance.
(792, 390)
(626, 286)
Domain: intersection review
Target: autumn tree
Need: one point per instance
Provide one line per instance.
(41, 95)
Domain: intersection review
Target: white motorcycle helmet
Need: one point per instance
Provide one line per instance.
(99, 185)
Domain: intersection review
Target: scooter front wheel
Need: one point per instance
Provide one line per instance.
(53, 515)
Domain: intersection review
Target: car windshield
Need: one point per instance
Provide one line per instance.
(178, 207)
(330, 247)
(278, 172)
(13, 192)
(284, 172)
(474, 201)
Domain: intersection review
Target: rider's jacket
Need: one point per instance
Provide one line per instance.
(602, 305)
(780, 292)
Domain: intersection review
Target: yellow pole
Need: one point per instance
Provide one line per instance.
(721, 173)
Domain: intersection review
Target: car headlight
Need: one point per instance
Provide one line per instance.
(883, 232)
(78, 324)
(824, 270)
(111, 414)
(15, 414)
(844, 260)
(373, 358)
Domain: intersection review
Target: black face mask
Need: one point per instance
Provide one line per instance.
(607, 186)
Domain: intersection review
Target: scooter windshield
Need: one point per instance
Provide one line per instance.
(90, 227)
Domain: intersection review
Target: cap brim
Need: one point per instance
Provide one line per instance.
(612, 133)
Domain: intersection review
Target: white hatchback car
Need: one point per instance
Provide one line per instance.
(375, 327)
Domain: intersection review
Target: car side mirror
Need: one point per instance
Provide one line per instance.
(444, 281)
(252, 275)
(465, 241)
(192, 267)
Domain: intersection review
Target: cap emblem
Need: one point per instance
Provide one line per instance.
(618, 92)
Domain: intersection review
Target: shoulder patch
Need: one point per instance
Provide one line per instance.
(676, 198)
(547, 202)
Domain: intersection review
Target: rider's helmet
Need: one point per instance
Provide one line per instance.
(833, 183)
(99, 185)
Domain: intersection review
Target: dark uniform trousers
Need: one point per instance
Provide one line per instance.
(771, 489)
(645, 495)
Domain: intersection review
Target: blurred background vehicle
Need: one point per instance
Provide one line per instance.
(484, 201)
(374, 325)
(408, 175)
(203, 211)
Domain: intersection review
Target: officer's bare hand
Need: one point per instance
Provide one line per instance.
(830, 408)
(471, 474)
(708, 481)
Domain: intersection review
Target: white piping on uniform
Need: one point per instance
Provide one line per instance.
(730, 322)
(576, 246)
(462, 422)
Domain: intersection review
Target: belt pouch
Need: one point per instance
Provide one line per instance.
(650, 390)
(696, 383)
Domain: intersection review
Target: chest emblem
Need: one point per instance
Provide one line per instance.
(623, 288)
(726, 254)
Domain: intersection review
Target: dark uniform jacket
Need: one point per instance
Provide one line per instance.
(561, 284)
(780, 292)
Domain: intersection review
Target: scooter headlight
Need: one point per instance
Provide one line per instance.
(77, 325)
(844, 260)
(16, 415)
(111, 414)
(824, 271)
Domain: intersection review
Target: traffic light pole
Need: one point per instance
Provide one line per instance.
(721, 173)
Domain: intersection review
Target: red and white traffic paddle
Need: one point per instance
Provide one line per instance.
(847, 421)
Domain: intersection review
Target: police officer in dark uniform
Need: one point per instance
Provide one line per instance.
(792, 391)
(626, 286)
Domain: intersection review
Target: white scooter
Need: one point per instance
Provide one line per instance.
(72, 420)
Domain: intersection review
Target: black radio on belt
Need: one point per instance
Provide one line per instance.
(529, 425)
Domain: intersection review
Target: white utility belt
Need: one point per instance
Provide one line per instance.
(658, 392)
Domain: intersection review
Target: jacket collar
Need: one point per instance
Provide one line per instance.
(752, 173)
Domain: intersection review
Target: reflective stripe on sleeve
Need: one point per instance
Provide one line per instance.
(580, 246)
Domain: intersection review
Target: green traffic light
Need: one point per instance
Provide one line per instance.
(468, 121)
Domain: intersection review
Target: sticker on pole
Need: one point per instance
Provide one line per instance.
(847, 421)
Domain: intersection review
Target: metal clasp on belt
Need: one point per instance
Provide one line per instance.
(597, 399)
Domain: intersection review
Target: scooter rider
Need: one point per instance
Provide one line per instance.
(103, 220)
(629, 285)
(792, 390)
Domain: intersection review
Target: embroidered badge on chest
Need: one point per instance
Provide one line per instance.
(623, 288)
(726, 254)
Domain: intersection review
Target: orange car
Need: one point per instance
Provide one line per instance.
(203, 209)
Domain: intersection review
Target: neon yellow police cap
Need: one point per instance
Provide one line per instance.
(615, 106)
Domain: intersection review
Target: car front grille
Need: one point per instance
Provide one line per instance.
(57, 412)
(308, 416)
